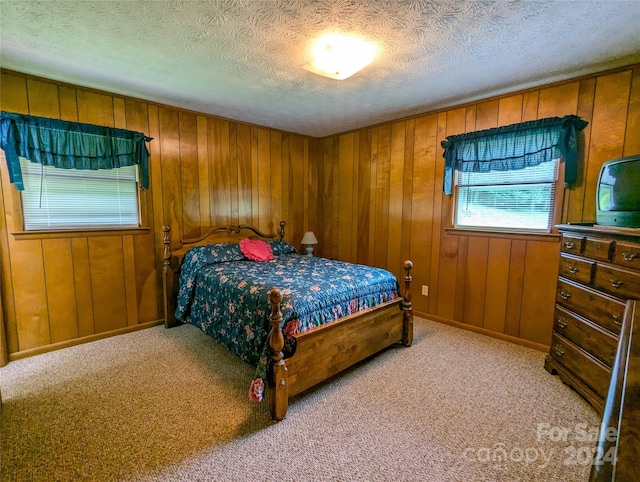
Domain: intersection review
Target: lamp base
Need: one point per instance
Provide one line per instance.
(309, 249)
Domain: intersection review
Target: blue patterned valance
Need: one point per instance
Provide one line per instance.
(70, 145)
(514, 147)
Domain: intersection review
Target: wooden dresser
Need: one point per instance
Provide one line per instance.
(599, 271)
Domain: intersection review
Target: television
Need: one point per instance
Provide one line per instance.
(618, 193)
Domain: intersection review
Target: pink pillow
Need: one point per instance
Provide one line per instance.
(256, 250)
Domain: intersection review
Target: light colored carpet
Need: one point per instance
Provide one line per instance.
(171, 405)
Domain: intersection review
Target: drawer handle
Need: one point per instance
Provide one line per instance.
(569, 244)
(562, 322)
(565, 295)
(559, 349)
(629, 256)
(616, 283)
(617, 319)
(613, 353)
(573, 269)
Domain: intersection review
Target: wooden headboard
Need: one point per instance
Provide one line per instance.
(173, 257)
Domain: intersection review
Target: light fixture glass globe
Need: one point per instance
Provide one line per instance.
(340, 56)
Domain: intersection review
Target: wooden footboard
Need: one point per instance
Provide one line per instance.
(328, 349)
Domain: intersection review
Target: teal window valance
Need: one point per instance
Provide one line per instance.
(70, 145)
(514, 147)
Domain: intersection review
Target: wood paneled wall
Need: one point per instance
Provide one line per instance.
(372, 196)
(205, 171)
(383, 202)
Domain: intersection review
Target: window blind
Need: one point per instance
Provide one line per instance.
(56, 198)
(518, 199)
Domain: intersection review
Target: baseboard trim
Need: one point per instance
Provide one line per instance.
(86, 339)
(483, 331)
(79, 341)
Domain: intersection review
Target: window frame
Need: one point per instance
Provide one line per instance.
(556, 211)
(16, 225)
(70, 176)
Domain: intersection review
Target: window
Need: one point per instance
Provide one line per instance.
(516, 199)
(507, 177)
(57, 198)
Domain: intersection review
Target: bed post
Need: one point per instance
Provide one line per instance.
(278, 378)
(167, 279)
(282, 225)
(407, 331)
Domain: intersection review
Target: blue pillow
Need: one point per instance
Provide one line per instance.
(281, 247)
(213, 254)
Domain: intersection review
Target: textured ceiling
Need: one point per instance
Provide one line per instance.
(242, 59)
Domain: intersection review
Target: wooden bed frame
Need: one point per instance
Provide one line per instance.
(322, 351)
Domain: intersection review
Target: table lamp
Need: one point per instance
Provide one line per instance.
(309, 239)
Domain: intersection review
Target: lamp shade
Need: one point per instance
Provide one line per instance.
(309, 238)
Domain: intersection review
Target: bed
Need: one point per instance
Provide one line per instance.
(298, 319)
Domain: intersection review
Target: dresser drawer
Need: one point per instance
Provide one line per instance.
(581, 364)
(619, 282)
(572, 243)
(575, 268)
(598, 248)
(597, 307)
(627, 255)
(588, 336)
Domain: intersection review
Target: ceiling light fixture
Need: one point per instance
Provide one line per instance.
(340, 56)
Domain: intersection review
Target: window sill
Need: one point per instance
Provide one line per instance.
(528, 236)
(78, 233)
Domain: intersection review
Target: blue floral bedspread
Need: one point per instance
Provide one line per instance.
(225, 295)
